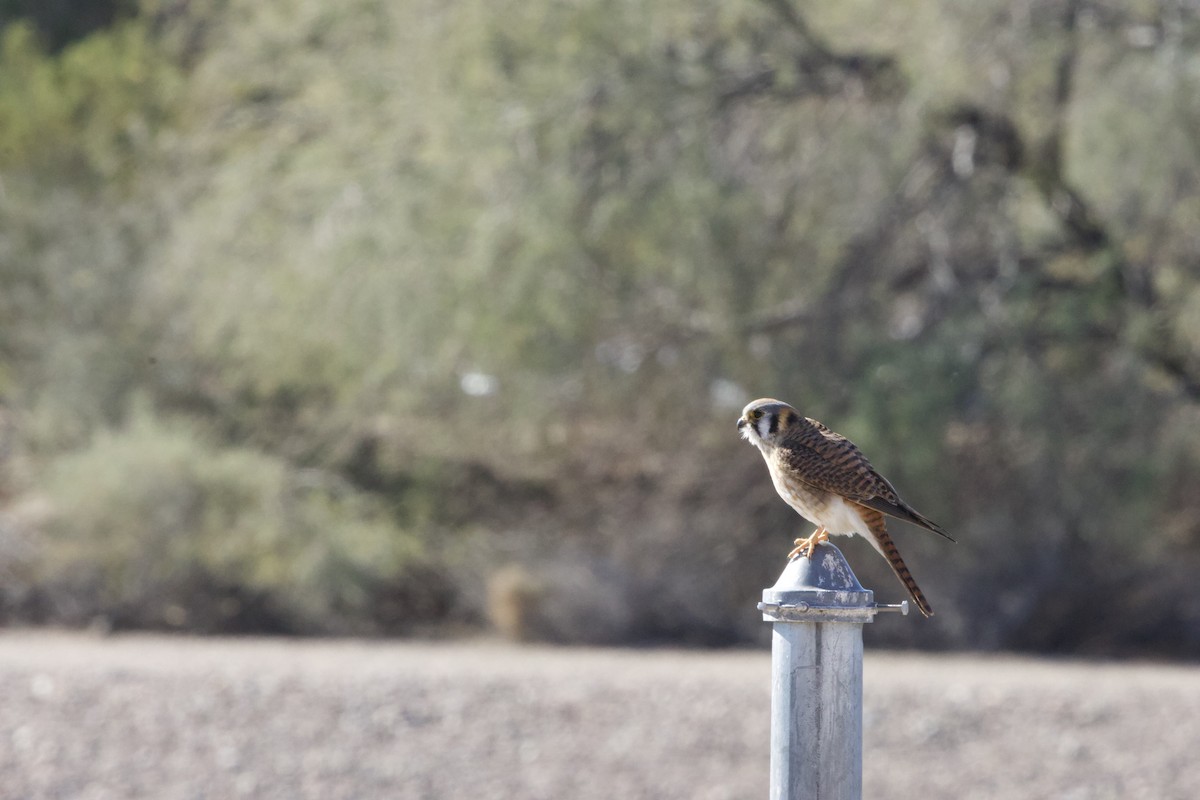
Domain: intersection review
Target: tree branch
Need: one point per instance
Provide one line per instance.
(821, 70)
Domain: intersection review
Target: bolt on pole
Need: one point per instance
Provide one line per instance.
(817, 608)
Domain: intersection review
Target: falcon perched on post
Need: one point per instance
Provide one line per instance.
(829, 482)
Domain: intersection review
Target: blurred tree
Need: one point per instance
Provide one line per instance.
(512, 267)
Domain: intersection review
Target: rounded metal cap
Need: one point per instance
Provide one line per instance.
(820, 589)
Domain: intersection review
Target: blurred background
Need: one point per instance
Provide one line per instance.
(433, 318)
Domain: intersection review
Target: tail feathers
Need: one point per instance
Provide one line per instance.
(902, 510)
(884, 544)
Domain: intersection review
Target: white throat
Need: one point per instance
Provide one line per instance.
(756, 437)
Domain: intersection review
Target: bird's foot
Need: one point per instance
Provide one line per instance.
(808, 544)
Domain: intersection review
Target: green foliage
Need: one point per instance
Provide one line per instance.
(78, 149)
(507, 270)
(153, 526)
(88, 111)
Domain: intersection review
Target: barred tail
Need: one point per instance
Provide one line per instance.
(884, 544)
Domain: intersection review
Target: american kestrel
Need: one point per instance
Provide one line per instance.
(829, 482)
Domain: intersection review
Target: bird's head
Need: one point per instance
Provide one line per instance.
(764, 421)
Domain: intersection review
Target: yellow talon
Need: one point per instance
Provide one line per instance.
(808, 544)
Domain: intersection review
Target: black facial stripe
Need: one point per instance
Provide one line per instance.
(774, 423)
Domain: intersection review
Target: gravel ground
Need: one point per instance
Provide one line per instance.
(164, 718)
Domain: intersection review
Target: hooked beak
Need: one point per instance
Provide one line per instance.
(741, 423)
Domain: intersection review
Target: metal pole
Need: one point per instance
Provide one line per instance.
(818, 609)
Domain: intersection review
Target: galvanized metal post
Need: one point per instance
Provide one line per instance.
(818, 609)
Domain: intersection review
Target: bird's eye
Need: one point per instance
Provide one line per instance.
(756, 414)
